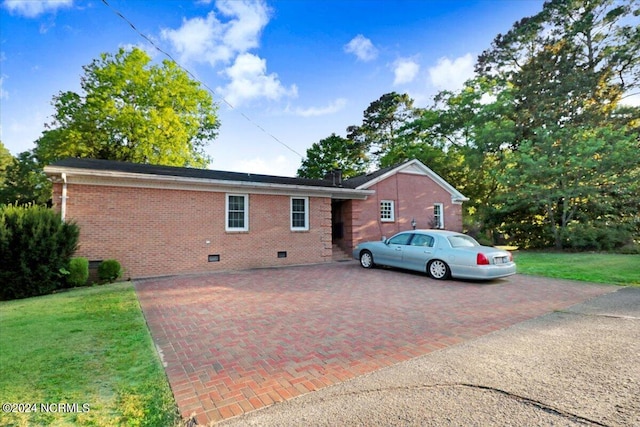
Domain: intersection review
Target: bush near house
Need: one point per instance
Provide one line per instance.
(109, 270)
(78, 271)
(35, 249)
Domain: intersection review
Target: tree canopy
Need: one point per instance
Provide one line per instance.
(382, 124)
(131, 110)
(333, 152)
(538, 140)
(23, 182)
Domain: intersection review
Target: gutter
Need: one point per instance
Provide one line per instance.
(63, 204)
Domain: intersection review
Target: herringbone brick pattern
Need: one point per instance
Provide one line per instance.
(238, 341)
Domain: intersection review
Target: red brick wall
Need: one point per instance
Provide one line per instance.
(154, 232)
(413, 196)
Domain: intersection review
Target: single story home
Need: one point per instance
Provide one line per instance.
(162, 220)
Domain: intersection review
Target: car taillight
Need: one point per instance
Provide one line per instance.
(510, 256)
(481, 259)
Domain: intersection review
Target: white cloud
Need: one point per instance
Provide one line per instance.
(278, 166)
(34, 8)
(405, 71)
(249, 80)
(362, 48)
(451, 75)
(332, 108)
(243, 32)
(211, 40)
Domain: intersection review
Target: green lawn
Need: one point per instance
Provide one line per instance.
(589, 267)
(86, 346)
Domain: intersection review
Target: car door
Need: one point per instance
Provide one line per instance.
(391, 252)
(419, 251)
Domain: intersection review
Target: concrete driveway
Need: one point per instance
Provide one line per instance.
(240, 341)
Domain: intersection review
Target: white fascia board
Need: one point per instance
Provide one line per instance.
(128, 179)
(416, 167)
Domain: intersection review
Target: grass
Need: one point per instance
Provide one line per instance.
(85, 346)
(614, 269)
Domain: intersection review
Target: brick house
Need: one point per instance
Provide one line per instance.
(161, 220)
(404, 195)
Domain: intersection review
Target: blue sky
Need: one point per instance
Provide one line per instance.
(294, 71)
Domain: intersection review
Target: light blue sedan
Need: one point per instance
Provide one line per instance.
(441, 254)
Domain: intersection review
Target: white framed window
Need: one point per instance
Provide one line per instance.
(438, 215)
(236, 213)
(299, 213)
(387, 211)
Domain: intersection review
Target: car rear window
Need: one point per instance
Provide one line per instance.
(462, 241)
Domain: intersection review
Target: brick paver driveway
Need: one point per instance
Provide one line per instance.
(235, 342)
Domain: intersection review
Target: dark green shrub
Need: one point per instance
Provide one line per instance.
(35, 249)
(78, 271)
(597, 237)
(109, 270)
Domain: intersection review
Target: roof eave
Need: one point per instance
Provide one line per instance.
(456, 196)
(204, 184)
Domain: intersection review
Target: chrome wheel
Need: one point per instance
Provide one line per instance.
(366, 259)
(438, 270)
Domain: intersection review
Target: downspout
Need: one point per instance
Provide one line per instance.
(63, 204)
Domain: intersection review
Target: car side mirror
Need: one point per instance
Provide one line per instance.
(384, 239)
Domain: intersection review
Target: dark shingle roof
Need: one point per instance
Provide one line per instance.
(110, 165)
(359, 180)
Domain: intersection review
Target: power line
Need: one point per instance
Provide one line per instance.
(213, 92)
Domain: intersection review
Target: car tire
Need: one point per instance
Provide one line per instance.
(366, 259)
(438, 270)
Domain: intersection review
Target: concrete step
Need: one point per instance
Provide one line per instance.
(340, 254)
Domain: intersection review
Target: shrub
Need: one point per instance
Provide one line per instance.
(109, 270)
(596, 237)
(78, 271)
(35, 248)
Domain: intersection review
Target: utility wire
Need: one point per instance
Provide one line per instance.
(213, 92)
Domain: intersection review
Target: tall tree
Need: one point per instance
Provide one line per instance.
(382, 124)
(572, 188)
(131, 110)
(568, 67)
(333, 152)
(605, 34)
(421, 139)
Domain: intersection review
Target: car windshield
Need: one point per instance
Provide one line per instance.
(462, 241)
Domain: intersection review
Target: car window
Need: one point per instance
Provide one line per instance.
(422, 240)
(462, 241)
(400, 239)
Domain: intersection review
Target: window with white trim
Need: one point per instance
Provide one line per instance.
(237, 212)
(438, 215)
(299, 213)
(387, 213)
